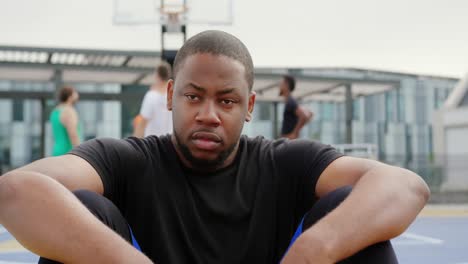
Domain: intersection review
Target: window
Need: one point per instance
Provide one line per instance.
(356, 108)
(264, 111)
(18, 110)
(390, 106)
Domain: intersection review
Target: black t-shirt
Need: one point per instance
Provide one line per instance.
(289, 116)
(244, 213)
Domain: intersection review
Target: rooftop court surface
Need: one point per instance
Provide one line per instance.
(438, 236)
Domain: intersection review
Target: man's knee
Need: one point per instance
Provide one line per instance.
(334, 198)
(99, 205)
(325, 205)
(90, 198)
(105, 211)
(378, 253)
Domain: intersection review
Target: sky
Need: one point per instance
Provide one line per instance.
(411, 36)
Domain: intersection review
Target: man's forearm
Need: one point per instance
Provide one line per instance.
(47, 219)
(140, 129)
(382, 205)
(300, 123)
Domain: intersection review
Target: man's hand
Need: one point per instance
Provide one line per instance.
(308, 114)
(303, 116)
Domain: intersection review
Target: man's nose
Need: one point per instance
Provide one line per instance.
(208, 115)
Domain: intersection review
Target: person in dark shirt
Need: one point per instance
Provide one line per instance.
(294, 116)
(206, 194)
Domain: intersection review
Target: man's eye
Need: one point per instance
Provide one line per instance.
(227, 101)
(192, 97)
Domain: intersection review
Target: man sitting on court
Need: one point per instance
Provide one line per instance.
(206, 194)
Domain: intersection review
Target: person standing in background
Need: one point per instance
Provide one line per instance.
(64, 121)
(155, 118)
(294, 116)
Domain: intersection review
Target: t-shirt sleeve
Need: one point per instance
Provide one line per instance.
(148, 106)
(114, 160)
(300, 164)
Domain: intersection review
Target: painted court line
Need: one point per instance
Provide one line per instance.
(14, 262)
(415, 239)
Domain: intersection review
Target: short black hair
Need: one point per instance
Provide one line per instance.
(217, 43)
(291, 81)
(164, 71)
(64, 93)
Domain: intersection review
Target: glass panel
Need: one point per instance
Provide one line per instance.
(18, 110)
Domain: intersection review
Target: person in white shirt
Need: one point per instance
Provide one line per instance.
(156, 119)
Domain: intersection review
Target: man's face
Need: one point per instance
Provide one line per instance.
(210, 101)
(283, 88)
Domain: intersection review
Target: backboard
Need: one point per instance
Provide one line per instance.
(198, 12)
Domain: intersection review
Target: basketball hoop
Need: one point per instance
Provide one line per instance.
(173, 17)
(157, 12)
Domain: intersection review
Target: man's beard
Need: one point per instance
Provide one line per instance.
(203, 164)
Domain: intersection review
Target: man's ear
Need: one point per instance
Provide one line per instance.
(170, 91)
(250, 106)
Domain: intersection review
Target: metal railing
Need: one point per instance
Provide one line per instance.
(369, 151)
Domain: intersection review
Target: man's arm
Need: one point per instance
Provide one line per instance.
(302, 118)
(46, 218)
(147, 110)
(69, 119)
(140, 128)
(384, 201)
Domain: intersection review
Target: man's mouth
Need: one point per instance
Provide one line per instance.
(206, 140)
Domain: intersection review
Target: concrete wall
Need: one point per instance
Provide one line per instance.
(457, 157)
(451, 147)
